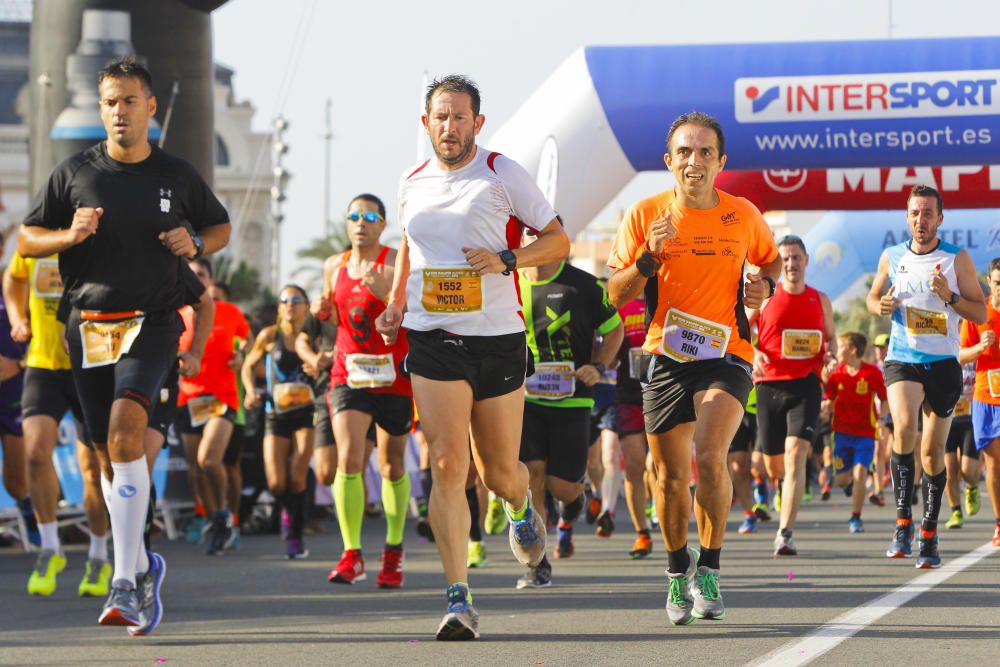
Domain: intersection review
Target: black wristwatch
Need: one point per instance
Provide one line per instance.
(199, 246)
(509, 260)
(600, 368)
(954, 298)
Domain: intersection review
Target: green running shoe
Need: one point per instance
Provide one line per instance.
(476, 555)
(956, 520)
(972, 501)
(496, 518)
(707, 598)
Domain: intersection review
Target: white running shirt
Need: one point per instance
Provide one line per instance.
(485, 204)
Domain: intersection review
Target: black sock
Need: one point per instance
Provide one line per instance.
(475, 532)
(150, 514)
(957, 508)
(426, 482)
(679, 561)
(709, 557)
(901, 466)
(294, 503)
(785, 532)
(933, 492)
(855, 515)
(644, 531)
(570, 512)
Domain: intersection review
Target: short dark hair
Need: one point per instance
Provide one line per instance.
(792, 239)
(856, 340)
(453, 83)
(371, 199)
(204, 263)
(125, 67)
(224, 288)
(701, 119)
(921, 190)
(994, 264)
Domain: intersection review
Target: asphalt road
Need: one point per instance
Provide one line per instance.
(253, 607)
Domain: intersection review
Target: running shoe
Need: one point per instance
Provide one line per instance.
(972, 502)
(195, 530)
(286, 524)
(295, 549)
(539, 576)
(996, 535)
(760, 510)
(461, 620)
(902, 541)
(605, 525)
(760, 492)
(825, 495)
(808, 495)
(233, 543)
(122, 606)
(777, 498)
(642, 547)
(707, 598)
(849, 490)
(593, 508)
(150, 605)
(564, 545)
(784, 545)
(928, 557)
(496, 520)
(96, 580)
(527, 536)
(680, 603)
(476, 555)
(218, 535)
(350, 569)
(423, 527)
(749, 524)
(391, 573)
(651, 513)
(956, 520)
(876, 498)
(855, 525)
(43, 578)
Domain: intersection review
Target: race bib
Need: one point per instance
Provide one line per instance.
(48, 282)
(920, 322)
(690, 338)
(634, 358)
(552, 380)
(801, 343)
(993, 377)
(964, 406)
(368, 371)
(452, 291)
(203, 408)
(104, 343)
(292, 396)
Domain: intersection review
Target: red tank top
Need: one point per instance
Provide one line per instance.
(363, 358)
(790, 333)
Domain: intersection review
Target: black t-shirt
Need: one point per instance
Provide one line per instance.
(322, 337)
(562, 315)
(124, 266)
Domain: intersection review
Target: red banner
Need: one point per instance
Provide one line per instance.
(862, 189)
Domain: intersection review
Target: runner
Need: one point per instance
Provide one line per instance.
(961, 458)
(795, 333)
(122, 215)
(564, 309)
(461, 213)
(932, 285)
(369, 389)
(32, 288)
(694, 239)
(979, 344)
(739, 464)
(852, 388)
(883, 440)
(209, 403)
(288, 429)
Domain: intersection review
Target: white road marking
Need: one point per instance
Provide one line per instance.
(845, 626)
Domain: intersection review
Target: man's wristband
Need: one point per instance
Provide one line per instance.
(648, 264)
(770, 281)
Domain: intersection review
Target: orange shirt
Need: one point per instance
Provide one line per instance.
(989, 360)
(215, 378)
(702, 271)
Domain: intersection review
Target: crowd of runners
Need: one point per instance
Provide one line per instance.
(704, 373)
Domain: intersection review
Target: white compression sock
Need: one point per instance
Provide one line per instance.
(129, 499)
(106, 490)
(611, 487)
(98, 547)
(50, 536)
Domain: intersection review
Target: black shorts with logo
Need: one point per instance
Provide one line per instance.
(165, 410)
(787, 409)
(942, 381)
(668, 387)
(492, 365)
(558, 436)
(393, 413)
(138, 375)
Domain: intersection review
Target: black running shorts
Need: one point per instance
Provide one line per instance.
(942, 382)
(393, 413)
(492, 365)
(669, 387)
(787, 409)
(558, 436)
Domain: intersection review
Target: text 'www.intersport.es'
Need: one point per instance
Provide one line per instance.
(854, 139)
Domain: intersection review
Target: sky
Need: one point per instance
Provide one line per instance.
(369, 59)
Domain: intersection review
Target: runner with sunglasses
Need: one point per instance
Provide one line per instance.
(369, 388)
(288, 427)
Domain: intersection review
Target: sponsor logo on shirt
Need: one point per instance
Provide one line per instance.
(165, 200)
(730, 218)
(696, 251)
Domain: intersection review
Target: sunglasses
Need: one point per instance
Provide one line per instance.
(367, 216)
(294, 299)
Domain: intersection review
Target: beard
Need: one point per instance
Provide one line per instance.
(458, 158)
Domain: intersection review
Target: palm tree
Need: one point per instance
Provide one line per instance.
(245, 285)
(316, 253)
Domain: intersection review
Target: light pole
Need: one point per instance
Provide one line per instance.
(328, 141)
(279, 147)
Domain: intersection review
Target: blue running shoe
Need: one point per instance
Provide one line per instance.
(527, 536)
(749, 524)
(855, 525)
(195, 530)
(902, 541)
(929, 558)
(122, 607)
(564, 546)
(461, 621)
(150, 605)
(760, 492)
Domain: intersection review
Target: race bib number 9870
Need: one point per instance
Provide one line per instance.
(691, 338)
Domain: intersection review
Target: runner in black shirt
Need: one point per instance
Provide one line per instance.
(123, 217)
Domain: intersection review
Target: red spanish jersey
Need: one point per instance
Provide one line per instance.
(853, 399)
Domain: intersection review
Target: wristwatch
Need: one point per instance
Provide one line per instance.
(600, 368)
(509, 260)
(954, 298)
(199, 246)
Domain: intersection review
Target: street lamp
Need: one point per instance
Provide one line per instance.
(279, 148)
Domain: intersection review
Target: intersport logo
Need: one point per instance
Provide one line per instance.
(867, 96)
